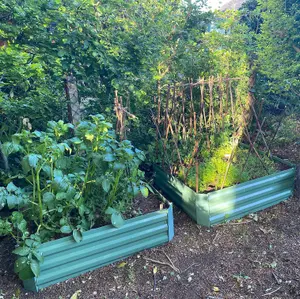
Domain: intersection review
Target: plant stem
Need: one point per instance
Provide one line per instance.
(33, 183)
(86, 178)
(39, 196)
(114, 190)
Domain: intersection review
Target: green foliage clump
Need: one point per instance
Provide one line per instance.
(283, 130)
(243, 168)
(66, 183)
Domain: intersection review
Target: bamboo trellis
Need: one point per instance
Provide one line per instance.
(188, 116)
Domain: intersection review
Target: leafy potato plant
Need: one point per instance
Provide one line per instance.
(68, 180)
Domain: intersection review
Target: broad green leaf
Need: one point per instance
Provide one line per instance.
(110, 211)
(20, 264)
(129, 151)
(48, 197)
(11, 187)
(33, 160)
(17, 217)
(22, 251)
(35, 267)
(117, 219)
(144, 191)
(106, 185)
(38, 256)
(61, 195)
(89, 137)
(22, 226)
(25, 165)
(47, 170)
(12, 201)
(77, 235)
(63, 221)
(66, 229)
(140, 154)
(29, 242)
(62, 163)
(76, 140)
(60, 184)
(108, 158)
(26, 273)
(70, 194)
(10, 148)
(118, 166)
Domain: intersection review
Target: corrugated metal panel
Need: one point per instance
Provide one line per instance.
(64, 258)
(177, 192)
(255, 195)
(229, 203)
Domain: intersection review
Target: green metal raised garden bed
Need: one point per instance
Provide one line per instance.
(229, 203)
(64, 258)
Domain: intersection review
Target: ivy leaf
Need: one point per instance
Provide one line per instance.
(66, 229)
(77, 235)
(106, 185)
(35, 267)
(22, 251)
(117, 219)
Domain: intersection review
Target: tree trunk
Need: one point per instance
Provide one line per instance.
(74, 112)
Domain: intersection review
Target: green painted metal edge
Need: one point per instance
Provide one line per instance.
(64, 258)
(229, 203)
(171, 230)
(180, 194)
